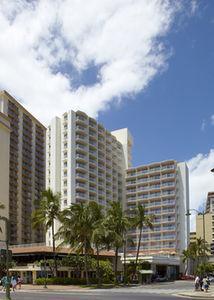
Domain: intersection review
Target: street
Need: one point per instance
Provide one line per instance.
(85, 296)
(160, 291)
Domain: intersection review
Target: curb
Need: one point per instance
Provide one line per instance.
(196, 296)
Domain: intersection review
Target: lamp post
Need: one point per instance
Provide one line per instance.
(45, 270)
(7, 230)
(203, 216)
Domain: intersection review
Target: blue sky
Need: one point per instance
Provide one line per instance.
(166, 119)
(142, 64)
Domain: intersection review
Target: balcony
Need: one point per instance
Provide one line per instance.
(81, 157)
(81, 139)
(82, 167)
(80, 176)
(81, 195)
(81, 129)
(81, 148)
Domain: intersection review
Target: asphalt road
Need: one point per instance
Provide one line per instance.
(164, 291)
(78, 296)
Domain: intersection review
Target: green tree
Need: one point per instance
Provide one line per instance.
(78, 224)
(139, 221)
(195, 253)
(101, 238)
(187, 256)
(205, 268)
(118, 223)
(48, 211)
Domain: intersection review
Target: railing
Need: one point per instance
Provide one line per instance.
(28, 245)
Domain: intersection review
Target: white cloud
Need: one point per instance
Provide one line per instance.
(193, 6)
(201, 180)
(212, 120)
(119, 37)
(203, 125)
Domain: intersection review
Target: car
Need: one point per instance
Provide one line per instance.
(187, 277)
(211, 278)
(160, 279)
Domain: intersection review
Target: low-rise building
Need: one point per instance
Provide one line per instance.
(27, 258)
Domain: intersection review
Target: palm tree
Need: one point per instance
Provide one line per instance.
(101, 240)
(140, 220)
(198, 250)
(46, 214)
(118, 223)
(79, 221)
(187, 255)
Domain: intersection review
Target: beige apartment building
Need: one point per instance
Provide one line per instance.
(192, 237)
(26, 168)
(208, 221)
(163, 189)
(85, 161)
(210, 202)
(209, 227)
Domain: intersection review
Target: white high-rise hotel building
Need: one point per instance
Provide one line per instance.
(163, 189)
(84, 161)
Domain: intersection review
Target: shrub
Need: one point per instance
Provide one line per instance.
(64, 281)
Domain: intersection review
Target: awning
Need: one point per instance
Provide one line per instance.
(148, 272)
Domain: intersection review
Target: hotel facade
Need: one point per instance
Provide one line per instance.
(23, 168)
(163, 189)
(84, 161)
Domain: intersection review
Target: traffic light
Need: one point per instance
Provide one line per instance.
(212, 248)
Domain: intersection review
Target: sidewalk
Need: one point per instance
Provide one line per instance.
(199, 294)
(59, 288)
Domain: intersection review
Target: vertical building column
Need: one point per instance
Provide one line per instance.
(19, 179)
(4, 168)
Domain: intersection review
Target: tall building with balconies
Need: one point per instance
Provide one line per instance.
(163, 189)
(210, 203)
(84, 161)
(26, 169)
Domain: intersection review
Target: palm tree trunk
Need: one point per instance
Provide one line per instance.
(124, 263)
(187, 267)
(98, 268)
(138, 250)
(115, 264)
(54, 250)
(86, 264)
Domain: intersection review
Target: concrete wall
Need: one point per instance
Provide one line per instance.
(183, 205)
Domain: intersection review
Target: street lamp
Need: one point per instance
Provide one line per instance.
(7, 230)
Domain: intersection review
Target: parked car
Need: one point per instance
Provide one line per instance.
(160, 279)
(211, 278)
(187, 277)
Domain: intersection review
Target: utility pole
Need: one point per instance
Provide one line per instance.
(203, 214)
(7, 231)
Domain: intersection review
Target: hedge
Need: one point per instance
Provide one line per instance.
(64, 281)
